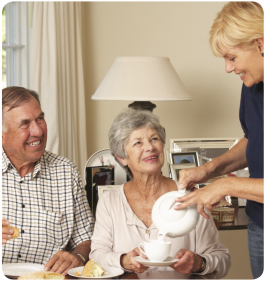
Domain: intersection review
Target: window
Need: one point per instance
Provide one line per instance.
(15, 44)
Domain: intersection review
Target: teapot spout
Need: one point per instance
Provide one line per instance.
(161, 236)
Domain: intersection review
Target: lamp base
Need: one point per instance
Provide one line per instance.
(142, 105)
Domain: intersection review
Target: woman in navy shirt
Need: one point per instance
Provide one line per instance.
(237, 35)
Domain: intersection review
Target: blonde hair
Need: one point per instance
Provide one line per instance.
(237, 24)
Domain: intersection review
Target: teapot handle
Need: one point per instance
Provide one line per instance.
(183, 191)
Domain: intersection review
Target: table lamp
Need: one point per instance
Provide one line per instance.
(142, 79)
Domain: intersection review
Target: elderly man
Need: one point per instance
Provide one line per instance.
(42, 193)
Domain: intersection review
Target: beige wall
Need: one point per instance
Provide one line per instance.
(178, 30)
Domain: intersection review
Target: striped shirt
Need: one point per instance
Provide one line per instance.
(48, 206)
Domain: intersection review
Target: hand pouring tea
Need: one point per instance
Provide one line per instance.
(171, 222)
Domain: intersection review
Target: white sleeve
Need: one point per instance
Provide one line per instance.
(211, 248)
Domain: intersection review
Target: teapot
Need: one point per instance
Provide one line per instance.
(171, 222)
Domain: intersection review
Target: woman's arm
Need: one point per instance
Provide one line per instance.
(232, 160)
(103, 242)
(102, 239)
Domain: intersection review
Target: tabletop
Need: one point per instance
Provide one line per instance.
(159, 275)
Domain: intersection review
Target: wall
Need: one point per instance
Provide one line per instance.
(178, 30)
(237, 243)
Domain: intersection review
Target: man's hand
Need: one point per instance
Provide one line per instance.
(188, 262)
(128, 262)
(62, 261)
(6, 232)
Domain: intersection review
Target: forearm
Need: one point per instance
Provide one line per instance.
(105, 255)
(245, 188)
(83, 249)
(232, 160)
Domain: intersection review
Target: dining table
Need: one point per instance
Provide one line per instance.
(162, 275)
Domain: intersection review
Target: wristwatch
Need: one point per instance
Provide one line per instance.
(203, 266)
(82, 257)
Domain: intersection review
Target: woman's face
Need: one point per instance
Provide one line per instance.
(248, 64)
(145, 151)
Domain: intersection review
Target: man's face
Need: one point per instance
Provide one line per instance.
(24, 133)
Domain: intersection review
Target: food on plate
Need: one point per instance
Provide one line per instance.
(16, 232)
(41, 275)
(93, 269)
(77, 273)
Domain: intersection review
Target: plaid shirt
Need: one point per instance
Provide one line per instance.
(48, 206)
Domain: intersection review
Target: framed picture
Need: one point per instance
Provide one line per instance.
(175, 168)
(95, 176)
(102, 189)
(210, 148)
(189, 157)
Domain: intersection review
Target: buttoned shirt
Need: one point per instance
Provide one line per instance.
(118, 231)
(48, 206)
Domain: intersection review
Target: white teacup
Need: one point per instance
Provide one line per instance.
(156, 250)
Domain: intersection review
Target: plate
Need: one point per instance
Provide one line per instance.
(94, 160)
(168, 261)
(14, 270)
(112, 272)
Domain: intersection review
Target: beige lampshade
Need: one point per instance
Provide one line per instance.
(141, 79)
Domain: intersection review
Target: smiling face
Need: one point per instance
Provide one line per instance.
(24, 134)
(248, 64)
(145, 152)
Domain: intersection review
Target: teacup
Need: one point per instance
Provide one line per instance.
(156, 250)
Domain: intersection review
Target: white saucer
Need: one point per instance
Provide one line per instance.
(168, 261)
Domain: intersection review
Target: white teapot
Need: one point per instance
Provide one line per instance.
(171, 222)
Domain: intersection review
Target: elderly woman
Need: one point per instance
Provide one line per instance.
(123, 216)
(237, 36)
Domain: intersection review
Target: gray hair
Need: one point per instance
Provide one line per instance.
(15, 96)
(124, 124)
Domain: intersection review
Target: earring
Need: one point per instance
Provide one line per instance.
(262, 54)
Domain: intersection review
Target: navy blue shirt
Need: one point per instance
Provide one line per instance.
(251, 118)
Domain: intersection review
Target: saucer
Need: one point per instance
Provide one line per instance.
(168, 261)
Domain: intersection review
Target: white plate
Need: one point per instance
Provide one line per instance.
(168, 261)
(120, 174)
(112, 272)
(14, 270)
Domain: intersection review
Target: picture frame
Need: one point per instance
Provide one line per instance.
(210, 148)
(95, 176)
(184, 157)
(175, 168)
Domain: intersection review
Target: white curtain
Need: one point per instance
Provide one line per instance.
(57, 75)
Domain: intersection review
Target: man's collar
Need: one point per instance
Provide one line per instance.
(5, 161)
(41, 165)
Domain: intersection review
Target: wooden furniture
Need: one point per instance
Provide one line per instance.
(240, 218)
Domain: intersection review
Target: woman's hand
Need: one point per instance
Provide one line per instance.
(6, 232)
(188, 178)
(188, 262)
(128, 262)
(208, 196)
